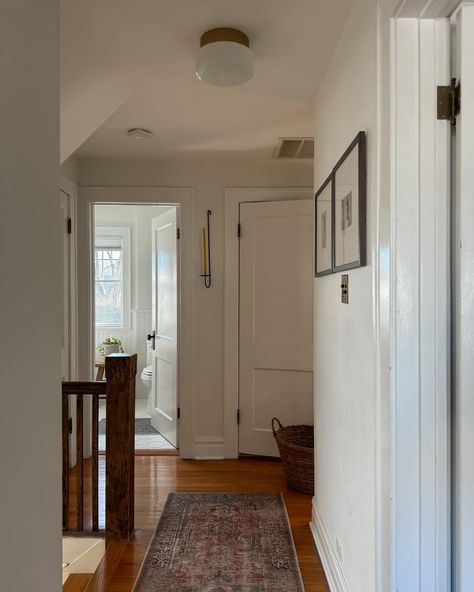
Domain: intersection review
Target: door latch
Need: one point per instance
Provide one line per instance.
(152, 338)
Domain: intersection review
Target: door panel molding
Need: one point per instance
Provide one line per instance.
(233, 198)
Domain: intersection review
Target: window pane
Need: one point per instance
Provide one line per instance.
(108, 304)
(108, 264)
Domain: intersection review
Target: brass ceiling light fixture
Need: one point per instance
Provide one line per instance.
(225, 57)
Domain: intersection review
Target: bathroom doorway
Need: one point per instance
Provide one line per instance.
(136, 310)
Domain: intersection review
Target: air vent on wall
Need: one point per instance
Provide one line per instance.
(295, 148)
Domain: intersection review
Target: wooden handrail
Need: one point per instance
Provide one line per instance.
(119, 391)
(94, 387)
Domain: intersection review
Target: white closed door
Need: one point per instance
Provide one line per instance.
(164, 405)
(276, 320)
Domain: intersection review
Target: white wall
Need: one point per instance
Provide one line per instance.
(30, 399)
(345, 404)
(208, 178)
(138, 220)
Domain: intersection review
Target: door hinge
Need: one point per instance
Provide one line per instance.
(178, 233)
(179, 413)
(69, 425)
(238, 416)
(69, 225)
(449, 101)
(239, 230)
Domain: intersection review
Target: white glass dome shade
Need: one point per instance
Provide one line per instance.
(225, 58)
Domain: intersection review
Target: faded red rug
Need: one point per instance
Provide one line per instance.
(221, 542)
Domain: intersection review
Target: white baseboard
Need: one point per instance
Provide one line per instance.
(208, 448)
(332, 568)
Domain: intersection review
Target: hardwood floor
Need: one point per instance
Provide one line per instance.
(156, 476)
(77, 582)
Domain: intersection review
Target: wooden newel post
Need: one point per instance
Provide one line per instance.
(121, 370)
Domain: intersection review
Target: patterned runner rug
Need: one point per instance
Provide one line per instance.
(221, 542)
(142, 426)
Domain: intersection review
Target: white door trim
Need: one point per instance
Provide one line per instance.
(463, 339)
(183, 197)
(70, 189)
(233, 198)
(412, 300)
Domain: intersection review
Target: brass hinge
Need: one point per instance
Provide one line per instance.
(69, 226)
(239, 230)
(449, 101)
(179, 413)
(238, 416)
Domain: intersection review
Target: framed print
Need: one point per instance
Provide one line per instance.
(323, 228)
(349, 207)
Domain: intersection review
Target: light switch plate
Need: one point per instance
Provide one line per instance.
(345, 288)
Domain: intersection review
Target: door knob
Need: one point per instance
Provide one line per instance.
(152, 338)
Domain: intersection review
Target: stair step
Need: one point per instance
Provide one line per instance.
(77, 582)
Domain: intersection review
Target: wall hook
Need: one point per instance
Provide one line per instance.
(206, 252)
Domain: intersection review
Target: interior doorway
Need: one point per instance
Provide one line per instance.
(136, 310)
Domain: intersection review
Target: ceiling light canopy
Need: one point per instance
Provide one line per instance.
(225, 58)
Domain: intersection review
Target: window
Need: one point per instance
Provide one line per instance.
(112, 277)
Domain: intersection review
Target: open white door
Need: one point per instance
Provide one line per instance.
(276, 320)
(164, 409)
(463, 246)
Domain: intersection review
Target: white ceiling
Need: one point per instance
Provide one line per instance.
(130, 63)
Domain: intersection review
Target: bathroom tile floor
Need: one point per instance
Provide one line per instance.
(142, 441)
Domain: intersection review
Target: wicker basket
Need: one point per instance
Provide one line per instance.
(296, 446)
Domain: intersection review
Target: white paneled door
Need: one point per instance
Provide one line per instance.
(165, 325)
(276, 320)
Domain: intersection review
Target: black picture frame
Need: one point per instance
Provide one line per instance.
(328, 229)
(343, 215)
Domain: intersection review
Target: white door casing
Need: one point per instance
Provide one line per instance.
(183, 198)
(65, 283)
(67, 204)
(420, 319)
(165, 324)
(276, 342)
(463, 278)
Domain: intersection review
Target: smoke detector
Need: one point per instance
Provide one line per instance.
(294, 148)
(139, 133)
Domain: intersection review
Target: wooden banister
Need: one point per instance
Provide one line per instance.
(119, 391)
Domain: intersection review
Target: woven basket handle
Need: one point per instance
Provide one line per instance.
(280, 425)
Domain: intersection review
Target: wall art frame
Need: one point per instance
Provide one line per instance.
(323, 228)
(349, 207)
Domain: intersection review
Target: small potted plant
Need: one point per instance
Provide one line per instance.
(110, 345)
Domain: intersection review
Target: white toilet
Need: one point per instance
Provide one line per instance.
(146, 376)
